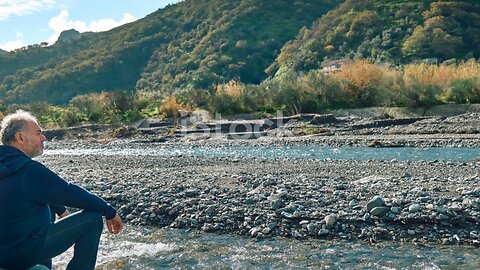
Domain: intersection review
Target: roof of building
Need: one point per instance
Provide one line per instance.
(334, 62)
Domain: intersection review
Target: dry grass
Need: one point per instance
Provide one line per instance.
(443, 76)
(362, 74)
(231, 89)
(360, 84)
(171, 108)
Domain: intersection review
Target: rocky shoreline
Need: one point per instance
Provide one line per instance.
(372, 200)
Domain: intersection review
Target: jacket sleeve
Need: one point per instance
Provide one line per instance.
(45, 186)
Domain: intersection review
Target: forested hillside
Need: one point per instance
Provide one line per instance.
(197, 44)
(192, 44)
(395, 32)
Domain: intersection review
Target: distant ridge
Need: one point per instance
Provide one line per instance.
(195, 44)
(68, 35)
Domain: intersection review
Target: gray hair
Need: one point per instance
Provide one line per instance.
(14, 123)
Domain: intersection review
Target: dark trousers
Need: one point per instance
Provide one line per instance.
(81, 230)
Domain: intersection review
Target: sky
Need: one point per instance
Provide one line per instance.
(27, 22)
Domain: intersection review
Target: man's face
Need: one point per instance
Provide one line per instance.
(32, 139)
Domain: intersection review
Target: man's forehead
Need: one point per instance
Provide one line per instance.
(33, 125)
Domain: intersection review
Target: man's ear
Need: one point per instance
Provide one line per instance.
(19, 137)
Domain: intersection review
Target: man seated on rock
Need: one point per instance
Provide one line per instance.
(28, 192)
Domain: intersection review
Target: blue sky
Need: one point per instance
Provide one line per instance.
(26, 22)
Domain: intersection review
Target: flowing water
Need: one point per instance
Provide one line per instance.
(321, 152)
(153, 248)
(149, 248)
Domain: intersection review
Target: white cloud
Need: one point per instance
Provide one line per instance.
(61, 23)
(10, 8)
(11, 45)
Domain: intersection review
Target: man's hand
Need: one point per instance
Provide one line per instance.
(115, 224)
(64, 214)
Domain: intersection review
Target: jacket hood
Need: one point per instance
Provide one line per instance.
(11, 160)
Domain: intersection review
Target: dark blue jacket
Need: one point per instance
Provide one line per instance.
(27, 188)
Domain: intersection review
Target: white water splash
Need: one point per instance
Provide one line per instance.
(115, 251)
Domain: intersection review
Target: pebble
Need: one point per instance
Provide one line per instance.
(330, 220)
(376, 201)
(298, 198)
(323, 232)
(379, 211)
(414, 208)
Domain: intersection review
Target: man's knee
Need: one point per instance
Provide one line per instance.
(96, 218)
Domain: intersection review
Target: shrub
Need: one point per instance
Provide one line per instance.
(226, 98)
(324, 89)
(97, 107)
(171, 108)
(73, 116)
(360, 83)
(426, 84)
(121, 101)
(255, 100)
(464, 91)
(284, 92)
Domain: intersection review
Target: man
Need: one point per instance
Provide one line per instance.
(28, 192)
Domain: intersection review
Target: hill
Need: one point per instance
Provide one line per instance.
(195, 44)
(192, 44)
(387, 31)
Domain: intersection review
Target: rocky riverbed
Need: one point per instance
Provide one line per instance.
(373, 200)
(423, 201)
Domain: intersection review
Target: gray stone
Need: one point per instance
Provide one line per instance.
(296, 234)
(210, 210)
(254, 231)
(191, 192)
(249, 201)
(276, 202)
(330, 220)
(272, 225)
(444, 216)
(441, 210)
(282, 192)
(287, 215)
(207, 227)
(323, 232)
(375, 202)
(379, 211)
(455, 207)
(353, 203)
(414, 208)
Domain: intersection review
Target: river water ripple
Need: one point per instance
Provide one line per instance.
(316, 152)
(153, 248)
(150, 248)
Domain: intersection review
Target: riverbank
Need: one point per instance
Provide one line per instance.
(371, 200)
(452, 125)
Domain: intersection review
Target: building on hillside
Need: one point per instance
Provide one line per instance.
(335, 65)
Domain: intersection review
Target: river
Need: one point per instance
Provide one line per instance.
(150, 248)
(153, 248)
